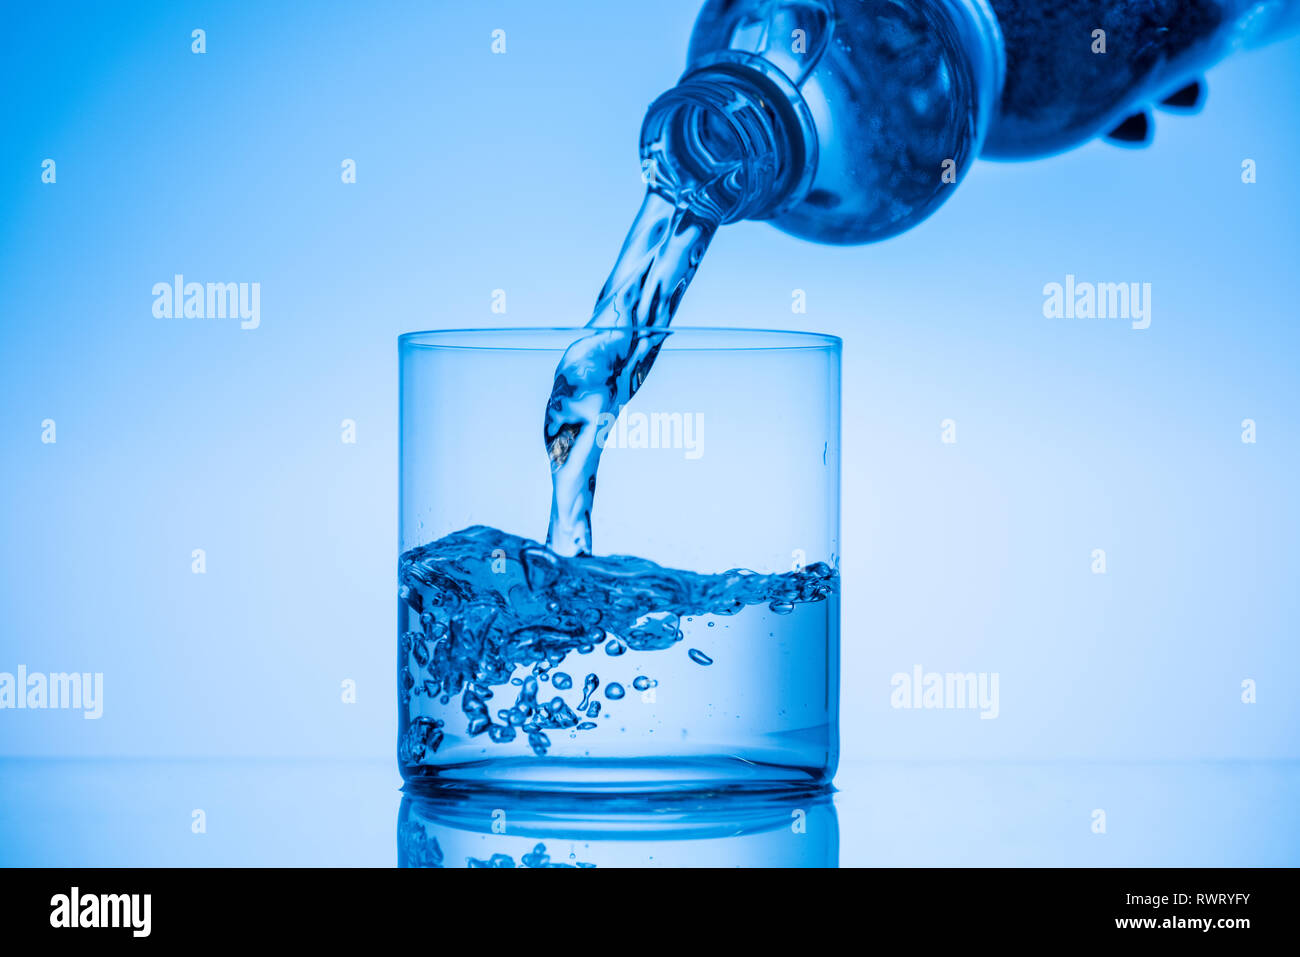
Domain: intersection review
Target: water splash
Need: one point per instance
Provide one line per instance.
(481, 619)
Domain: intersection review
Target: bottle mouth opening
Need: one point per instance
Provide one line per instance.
(720, 143)
(695, 153)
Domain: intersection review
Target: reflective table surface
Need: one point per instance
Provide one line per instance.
(353, 813)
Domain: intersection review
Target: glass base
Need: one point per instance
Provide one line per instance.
(616, 776)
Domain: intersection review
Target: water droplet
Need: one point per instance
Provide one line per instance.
(614, 691)
(699, 657)
(562, 681)
(641, 683)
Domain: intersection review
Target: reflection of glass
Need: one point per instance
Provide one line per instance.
(494, 829)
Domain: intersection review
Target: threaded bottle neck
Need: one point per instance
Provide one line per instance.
(722, 143)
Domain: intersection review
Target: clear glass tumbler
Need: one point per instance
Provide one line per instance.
(697, 648)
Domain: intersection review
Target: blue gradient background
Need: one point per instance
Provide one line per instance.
(479, 171)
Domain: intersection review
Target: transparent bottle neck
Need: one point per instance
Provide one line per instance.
(723, 143)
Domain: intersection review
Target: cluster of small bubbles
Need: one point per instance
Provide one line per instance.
(537, 857)
(526, 714)
(422, 738)
(614, 691)
(699, 657)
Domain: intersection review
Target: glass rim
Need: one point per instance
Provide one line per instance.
(507, 338)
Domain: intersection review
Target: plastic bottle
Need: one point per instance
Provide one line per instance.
(847, 121)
